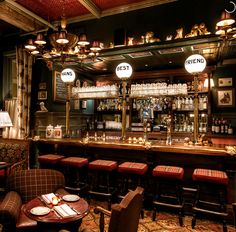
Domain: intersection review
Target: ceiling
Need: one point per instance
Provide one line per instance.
(22, 17)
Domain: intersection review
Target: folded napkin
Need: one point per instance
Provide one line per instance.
(231, 150)
(65, 210)
(48, 197)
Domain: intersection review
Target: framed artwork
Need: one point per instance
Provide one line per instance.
(225, 82)
(42, 95)
(42, 85)
(225, 97)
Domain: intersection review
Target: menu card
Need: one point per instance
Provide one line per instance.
(65, 210)
(48, 197)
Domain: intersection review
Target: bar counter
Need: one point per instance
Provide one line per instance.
(153, 152)
(214, 150)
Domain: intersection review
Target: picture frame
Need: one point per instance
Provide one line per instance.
(225, 82)
(225, 97)
(42, 95)
(42, 85)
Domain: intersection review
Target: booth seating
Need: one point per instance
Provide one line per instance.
(211, 195)
(101, 177)
(168, 189)
(75, 170)
(50, 160)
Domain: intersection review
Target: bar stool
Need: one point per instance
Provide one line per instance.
(168, 189)
(75, 170)
(211, 195)
(101, 173)
(131, 176)
(50, 161)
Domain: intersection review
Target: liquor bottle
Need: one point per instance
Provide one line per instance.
(226, 127)
(213, 126)
(230, 128)
(217, 126)
(222, 126)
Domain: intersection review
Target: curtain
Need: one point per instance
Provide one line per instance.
(24, 77)
(19, 109)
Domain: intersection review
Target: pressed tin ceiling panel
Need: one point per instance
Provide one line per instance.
(104, 4)
(52, 10)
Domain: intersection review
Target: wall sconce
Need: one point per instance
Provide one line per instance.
(68, 76)
(5, 121)
(194, 65)
(124, 72)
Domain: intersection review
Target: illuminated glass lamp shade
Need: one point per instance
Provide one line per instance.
(124, 71)
(68, 75)
(225, 20)
(195, 64)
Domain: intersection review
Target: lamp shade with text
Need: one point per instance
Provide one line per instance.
(124, 71)
(68, 75)
(195, 63)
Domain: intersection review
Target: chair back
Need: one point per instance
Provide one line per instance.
(125, 215)
(35, 182)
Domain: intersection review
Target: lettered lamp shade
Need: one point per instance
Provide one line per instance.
(68, 75)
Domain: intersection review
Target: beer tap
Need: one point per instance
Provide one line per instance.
(104, 131)
(95, 129)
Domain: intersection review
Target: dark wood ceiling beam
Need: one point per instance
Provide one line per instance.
(89, 5)
(117, 10)
(17, 15)
(13, 17)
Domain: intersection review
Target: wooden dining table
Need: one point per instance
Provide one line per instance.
(53, 221)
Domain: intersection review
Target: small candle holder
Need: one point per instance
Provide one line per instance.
(55, 200)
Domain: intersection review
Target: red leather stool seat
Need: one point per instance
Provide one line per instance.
(171, 172)
(76, 162)
(103, 165)
(133, 168)
(208, 175)
(212, 191)
(50, 158)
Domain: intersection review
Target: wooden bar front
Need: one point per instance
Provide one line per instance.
(153, 153)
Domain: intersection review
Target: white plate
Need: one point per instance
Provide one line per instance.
(1, 163)
(40, 210)
(71, 197)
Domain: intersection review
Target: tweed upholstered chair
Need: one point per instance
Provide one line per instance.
(124, 217)
(23, 186)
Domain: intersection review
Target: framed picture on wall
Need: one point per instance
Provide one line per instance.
(225, 81)
(42, 95)
(225, 97)
(42, 85)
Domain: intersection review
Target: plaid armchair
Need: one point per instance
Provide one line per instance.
(23, 186)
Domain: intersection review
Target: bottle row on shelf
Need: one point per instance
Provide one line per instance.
(161, 104)
(221, 126)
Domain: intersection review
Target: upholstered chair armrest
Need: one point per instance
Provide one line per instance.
(16, 166)
(102, 212)
(10, 209)
(100, 209)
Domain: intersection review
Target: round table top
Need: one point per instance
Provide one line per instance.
(81, 208)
